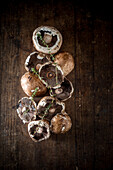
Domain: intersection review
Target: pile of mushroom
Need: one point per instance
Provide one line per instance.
(46, 85)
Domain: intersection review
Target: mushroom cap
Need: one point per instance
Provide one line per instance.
(51, 74)
(39, 130)
(30, 82)
(48, 107)
(66, 61)
(61, 123)
(35, 60)
(64, 92)
(51, 36)
(26, 109)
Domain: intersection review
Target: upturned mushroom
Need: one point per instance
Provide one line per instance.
(65, 61)
(35, 60)
(47, 39)
(61, 123)
(64, 92)
(48, 107)
(51, 74)
(32, 84)
(26, 109)
(39, 130)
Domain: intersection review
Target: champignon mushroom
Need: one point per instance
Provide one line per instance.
(64, 92)
(35, 60)
(61, 123)
(48, 107)
(26, 109)
(65, 61)
(47, 39)
(51, 74)
(39, 130)
(31, 83)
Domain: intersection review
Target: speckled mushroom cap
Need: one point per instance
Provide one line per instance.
(48, 107)
(51, 74)
(35, 60)
(66, 61)
(30, 82)
(51, 36)
(64, 92)
(39, 130)
(26, 109)
(61, 123)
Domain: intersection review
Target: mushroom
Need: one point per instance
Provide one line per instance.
(26, 109)
(35, 60)
(47, 39)
(48, 107)
(64, 92)
(65, 61)
(61, 123)
(51, 74)
(39, 130)
(32, 84)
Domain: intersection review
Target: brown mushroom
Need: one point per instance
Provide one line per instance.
(48, 107)
(61, 123)
(35, 60)
(31, 83)
(64, 92)
(39, 130)
(47, 39)
(65, 61)
(26, 109)
(51, 74)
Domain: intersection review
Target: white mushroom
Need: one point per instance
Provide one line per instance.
(26, 109)
(52, 38)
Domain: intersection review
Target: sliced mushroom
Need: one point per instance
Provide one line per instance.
(26, 109)
(61, 123)
(64, 92)
(48, 107)
(65, 61)
(35, 60)
(51, 39)
(32, 84)
(51, 74)
(39, 130)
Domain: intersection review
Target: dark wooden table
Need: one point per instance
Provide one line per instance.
(87, 31)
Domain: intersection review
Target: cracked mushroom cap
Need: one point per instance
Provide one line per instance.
(48, 107)
(39, 130)
(31, 83)
(51, 74)
(61, 123)
(35, 60)
(65, 61)
(52, 39)
(64, 92)
(26, 110)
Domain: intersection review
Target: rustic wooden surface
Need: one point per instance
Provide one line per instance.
(88, 35)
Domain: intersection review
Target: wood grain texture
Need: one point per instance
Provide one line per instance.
(88, 35)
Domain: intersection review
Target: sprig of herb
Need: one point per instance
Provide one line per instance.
(44, 43)
(35, 91)
(26, 111)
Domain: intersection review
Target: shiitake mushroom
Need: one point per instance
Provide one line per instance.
(64, 92)
(66, 61)
(30, 82)
(61, 123)
(48, 107)
(39, 130)
(51, 74)
(35, 60)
